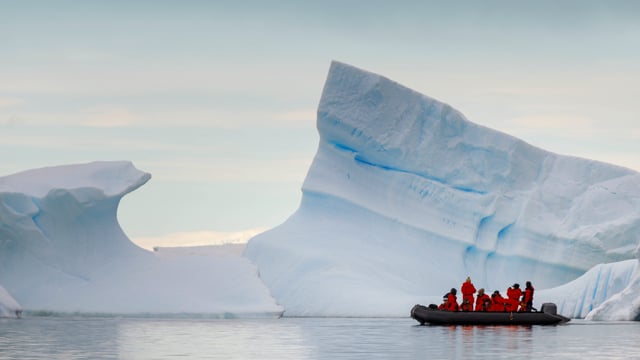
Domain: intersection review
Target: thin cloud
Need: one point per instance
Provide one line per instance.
(303, 117)
(131, 80)
(112, 116)
(198, 238)
(534, 91)
(98, 116)
(107, 117)
(292, 169)
(574, 125)
(10, 102)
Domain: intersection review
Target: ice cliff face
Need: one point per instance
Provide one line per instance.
(62, 250)
(405, 198)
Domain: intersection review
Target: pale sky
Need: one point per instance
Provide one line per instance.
(217, 99)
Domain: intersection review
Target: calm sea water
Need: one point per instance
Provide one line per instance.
(304, 338)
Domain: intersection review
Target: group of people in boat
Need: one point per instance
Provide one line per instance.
(516, 300)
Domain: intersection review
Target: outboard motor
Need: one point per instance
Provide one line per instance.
(549, 308)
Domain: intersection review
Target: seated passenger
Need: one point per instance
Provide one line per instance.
(452, 301)
(443, 306)
(483, 301)
(466, 305)
(498, 303)
(523, 305)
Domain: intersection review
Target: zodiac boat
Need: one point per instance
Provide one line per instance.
(431, 315)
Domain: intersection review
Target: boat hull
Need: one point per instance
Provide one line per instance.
(425, 315)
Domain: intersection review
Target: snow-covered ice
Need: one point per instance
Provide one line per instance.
(405, 198)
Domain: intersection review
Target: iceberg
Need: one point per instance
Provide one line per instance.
(593, 295)
(62, 250)
(9, 307)
(405, 198)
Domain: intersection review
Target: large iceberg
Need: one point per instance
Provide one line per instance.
(62, 250)
(406, 198)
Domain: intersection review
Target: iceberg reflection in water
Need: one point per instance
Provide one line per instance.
(306, 338)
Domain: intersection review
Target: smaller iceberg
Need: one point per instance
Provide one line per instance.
(62, 250)
(605, 292)
(9, 307)
(622, 306)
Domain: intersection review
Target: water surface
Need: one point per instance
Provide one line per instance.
(307, 338)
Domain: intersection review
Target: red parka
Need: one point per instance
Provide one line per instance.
(513, 294)
(528, 296)
(498, 303)
(483, 302)
(467, 290)
(452, 302)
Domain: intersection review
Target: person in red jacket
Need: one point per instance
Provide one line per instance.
(528, 297)
(443, 306)
(498, 303)
(513, 297)
(483, 301)
(467, 290)
(452, 301)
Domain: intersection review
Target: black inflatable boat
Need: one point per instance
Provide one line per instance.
(429, 315)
